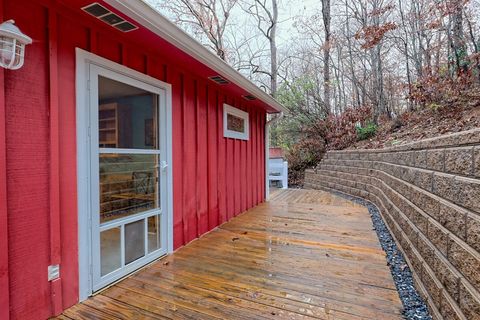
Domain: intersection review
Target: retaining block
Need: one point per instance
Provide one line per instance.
(428, 193)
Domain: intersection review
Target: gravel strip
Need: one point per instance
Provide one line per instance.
(413, 305)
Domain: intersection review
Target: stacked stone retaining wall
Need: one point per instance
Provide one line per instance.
(428, 193)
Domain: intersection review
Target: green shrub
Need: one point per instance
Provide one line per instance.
(366, 132)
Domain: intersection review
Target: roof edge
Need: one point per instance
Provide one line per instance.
(164, 28)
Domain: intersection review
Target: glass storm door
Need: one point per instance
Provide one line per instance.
(127, 132)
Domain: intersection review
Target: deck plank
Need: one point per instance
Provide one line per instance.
(303, 255)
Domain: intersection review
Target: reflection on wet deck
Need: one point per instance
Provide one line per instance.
(304, 254)
(310, 197)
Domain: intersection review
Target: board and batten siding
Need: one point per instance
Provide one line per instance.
(214, 179)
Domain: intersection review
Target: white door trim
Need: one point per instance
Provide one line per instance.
(83, 61)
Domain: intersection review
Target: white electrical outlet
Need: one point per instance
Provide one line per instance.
(53, 272)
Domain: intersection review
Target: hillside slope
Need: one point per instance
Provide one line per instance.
(428, 123)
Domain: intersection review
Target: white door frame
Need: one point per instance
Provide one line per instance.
(84, 60)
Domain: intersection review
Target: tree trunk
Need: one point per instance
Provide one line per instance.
(351, 62)
(273, 49)
(475, 47)
(326, 52)
(458, 40)
(411, 106)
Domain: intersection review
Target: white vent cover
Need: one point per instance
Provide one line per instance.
(100, 12)
(249, 97)
(219, 80)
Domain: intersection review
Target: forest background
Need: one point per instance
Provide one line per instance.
(353, 74)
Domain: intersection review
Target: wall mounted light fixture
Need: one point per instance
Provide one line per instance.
(12, 45)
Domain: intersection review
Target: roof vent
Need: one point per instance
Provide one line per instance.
(111, 19)
(219, 80)
(107, 16)
(126, 26)
(249, 97)
(96, 10)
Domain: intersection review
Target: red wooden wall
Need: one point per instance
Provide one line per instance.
(215, 178)
(4, 286)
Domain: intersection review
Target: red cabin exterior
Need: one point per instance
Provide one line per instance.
(214, 178)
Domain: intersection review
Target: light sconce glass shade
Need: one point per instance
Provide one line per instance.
(12, 45)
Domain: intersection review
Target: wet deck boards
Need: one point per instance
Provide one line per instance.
(303, 255)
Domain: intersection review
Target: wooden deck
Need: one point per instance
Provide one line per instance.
(303, 255)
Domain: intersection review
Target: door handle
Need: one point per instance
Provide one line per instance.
(164, 166)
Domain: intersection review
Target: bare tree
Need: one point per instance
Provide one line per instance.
(379, 53)
(458, 39)
(265, 15)
(326, 9)
(207, 17)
